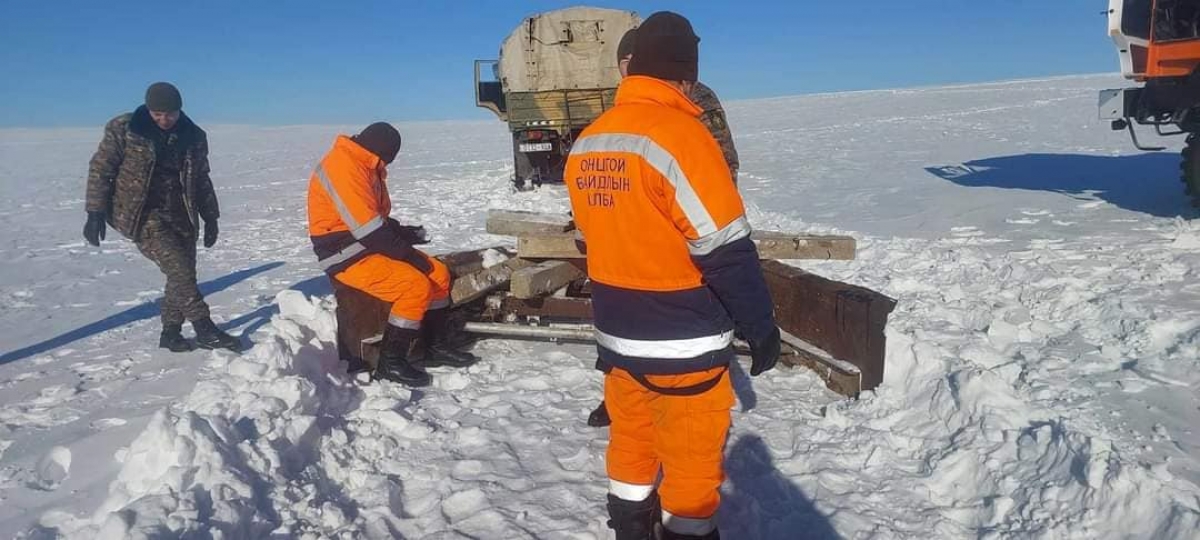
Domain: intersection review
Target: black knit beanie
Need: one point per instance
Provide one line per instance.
(163, 97)
(625, 46)
(666, 48)
(380, 139)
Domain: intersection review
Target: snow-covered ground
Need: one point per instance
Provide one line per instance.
(1043, 361)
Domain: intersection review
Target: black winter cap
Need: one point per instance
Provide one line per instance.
(625, 46)
(380, 139)
(666, 48)
(163, 97)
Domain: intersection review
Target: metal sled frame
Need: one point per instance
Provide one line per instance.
(832, 328)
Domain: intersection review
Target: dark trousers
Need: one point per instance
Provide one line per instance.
(171, 244)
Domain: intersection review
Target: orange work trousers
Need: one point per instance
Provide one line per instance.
(410, 291)
(684, 435)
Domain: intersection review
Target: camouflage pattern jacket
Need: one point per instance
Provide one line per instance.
(714, 118)
(121, 172)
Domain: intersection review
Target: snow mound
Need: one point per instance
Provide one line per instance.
(266, 444)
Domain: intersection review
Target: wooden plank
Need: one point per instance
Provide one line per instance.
(845, 321)
(463, 263)
(771, 246)
(548, 247)
(839, 376)
(472, 286)
(360, 317)
(521, 223)
(562, 309)
(774, 245)
(542, 279)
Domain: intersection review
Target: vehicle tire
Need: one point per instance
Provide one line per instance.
(1191, 168)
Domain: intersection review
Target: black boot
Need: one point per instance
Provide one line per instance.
(208, 336)
(634, 520)
(667, 534)
(435, 329)
(355, 366)
(599, 417)
(393, 358)
(172, 339)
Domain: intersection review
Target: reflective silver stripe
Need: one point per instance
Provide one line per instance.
(341, 256)
(440, 304)
(629, 492)
(687, 526)
(401, 322)
(736, 230)
(368, 228)
(672, 349)
(359, 231)
(664, 163)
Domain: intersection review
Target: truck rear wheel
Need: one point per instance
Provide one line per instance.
(1191, 168)
(525, 170)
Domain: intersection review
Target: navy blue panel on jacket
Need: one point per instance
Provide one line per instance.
(650, 332)
(732, 272)
(339, 250)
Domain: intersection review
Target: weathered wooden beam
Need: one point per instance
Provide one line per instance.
(521, 223)
(543, 278)
(360, 317)
(548, 247)
(840, 376)
(549, 307)
(845, 321)
(772, 245)
(463, 263)
(472, 286)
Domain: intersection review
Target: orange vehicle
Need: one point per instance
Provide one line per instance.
(1159, 45)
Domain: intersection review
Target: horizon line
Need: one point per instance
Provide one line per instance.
(739, 101)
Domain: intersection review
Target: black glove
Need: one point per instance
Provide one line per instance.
(95, 228)
(394, 242)
(210, 232)
(414, 234)
(765, 353)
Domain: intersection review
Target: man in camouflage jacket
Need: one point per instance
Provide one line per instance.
(714, 118)
(149, 181)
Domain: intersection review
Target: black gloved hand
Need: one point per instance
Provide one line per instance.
(210, 233)
(414, 234)
(765, 353)
(95, 228)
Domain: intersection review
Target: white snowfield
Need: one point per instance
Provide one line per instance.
(1042, 369)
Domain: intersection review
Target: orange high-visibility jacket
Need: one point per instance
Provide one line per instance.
(348, 209)
(668, 247)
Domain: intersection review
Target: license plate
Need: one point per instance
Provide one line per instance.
(535, 147)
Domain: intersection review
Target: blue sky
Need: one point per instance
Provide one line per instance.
(77, 63)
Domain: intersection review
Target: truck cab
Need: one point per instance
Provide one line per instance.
(1158, 43)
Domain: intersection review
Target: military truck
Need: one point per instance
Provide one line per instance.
(557, 72)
